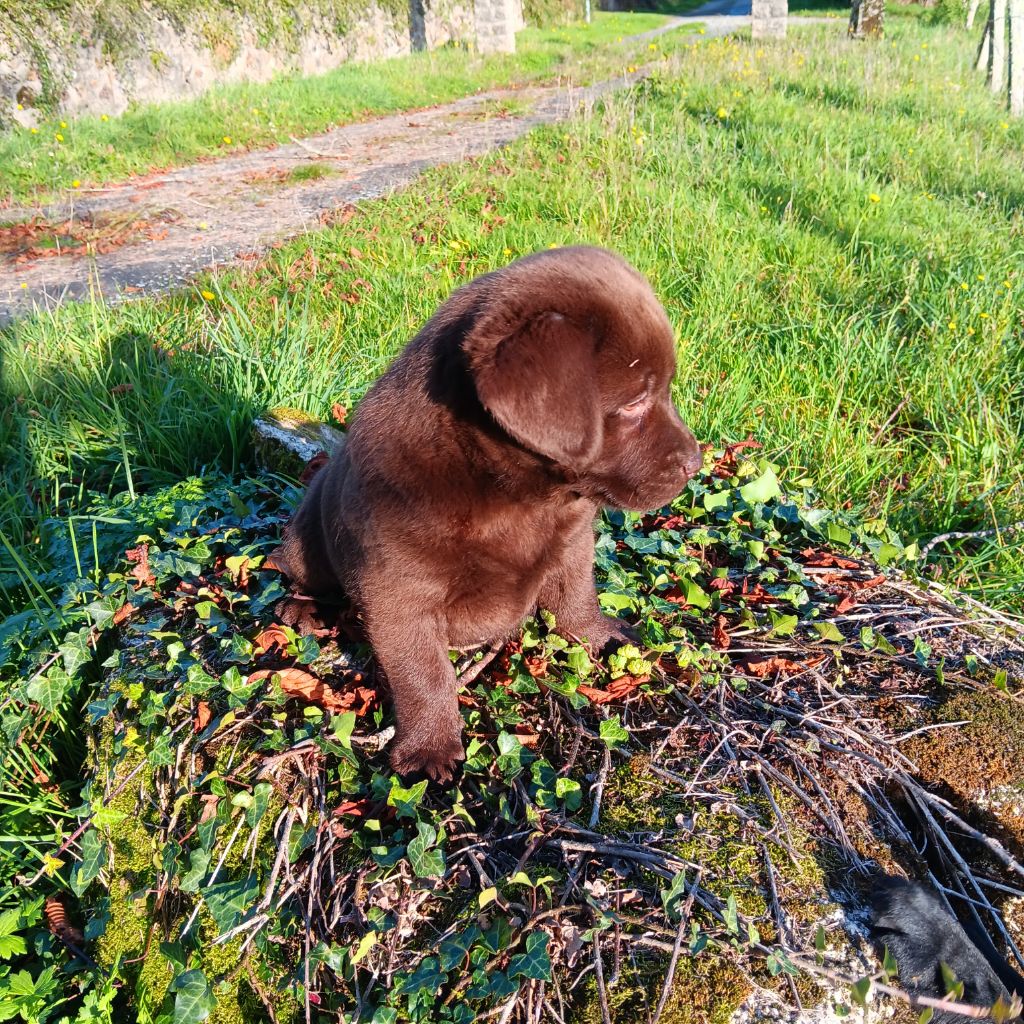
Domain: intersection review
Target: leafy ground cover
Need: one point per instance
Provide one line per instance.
(63, 155)
(240, 850)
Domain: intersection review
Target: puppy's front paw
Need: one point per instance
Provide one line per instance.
(607, 633)
(435, 751)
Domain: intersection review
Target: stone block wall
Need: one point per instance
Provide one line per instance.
(67, 64)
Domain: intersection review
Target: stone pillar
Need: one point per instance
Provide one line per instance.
(495, 26)
(768, 19)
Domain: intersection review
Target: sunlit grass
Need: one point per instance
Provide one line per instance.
(835, 229)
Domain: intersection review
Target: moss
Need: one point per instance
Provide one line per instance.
(131, 840)
(706, 989)
(972, 758)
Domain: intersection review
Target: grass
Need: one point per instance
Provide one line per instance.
(850, 295)
(97, 150)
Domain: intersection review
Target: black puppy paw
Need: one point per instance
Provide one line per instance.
(929, 945)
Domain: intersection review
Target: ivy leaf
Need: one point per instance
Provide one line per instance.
(49, 690)
(76, 652)
(228, 901)
(405, 801)
(829, 631)
(366, 943)
(612, 732)
(193, 998)
(511, 755)
(94, 858)
(671, 896)
(455, 949)
(859, 991)
(427, 977)
(568, 790)
(731, 915)
(426, 862)
(762, 490)
(782, 625)
(535, 962)
(198, 865)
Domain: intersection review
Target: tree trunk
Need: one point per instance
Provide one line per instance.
(972, 12)
(997, 47)
(1016, 87)
(768, 18)
(981, 63)
(866, 18)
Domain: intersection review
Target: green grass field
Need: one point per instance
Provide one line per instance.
(835, 231)
(99, 150)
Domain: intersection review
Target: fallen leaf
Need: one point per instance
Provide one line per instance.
(615, 690)
(271, 637)
(770, 666)
(297, 683)
(209, 801)
(845, 604)
(827, 560)
(203, 716)
(139, 559)
(722, 640)
(355, 808)
(123, 613)
(537, 667)
(339, 412)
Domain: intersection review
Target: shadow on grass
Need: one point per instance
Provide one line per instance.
(129, 414)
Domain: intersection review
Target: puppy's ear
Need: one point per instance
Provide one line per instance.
(539, 382)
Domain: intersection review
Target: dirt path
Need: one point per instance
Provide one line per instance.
(155, 233)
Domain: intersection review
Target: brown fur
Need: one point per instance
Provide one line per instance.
(465, 496)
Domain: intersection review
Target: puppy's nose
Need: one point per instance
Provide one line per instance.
(693, 461)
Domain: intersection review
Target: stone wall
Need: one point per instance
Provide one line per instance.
(70, 64)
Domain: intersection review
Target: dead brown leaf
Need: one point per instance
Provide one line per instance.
(139, 559)
(203, 716)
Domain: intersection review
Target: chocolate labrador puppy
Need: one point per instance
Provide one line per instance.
(465, 495)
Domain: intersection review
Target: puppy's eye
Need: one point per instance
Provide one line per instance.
(636, 406)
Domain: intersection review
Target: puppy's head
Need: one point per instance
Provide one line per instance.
(573, 356)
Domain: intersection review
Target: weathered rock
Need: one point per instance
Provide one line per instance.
(286, 439)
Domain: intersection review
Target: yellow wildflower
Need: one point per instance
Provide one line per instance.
(76, 183)
(59, 137)
(208, 295)
(875, 197)
(227, 140)
(722, 114)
